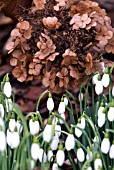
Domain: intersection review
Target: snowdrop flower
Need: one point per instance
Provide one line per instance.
(98, 88)
(81, 124)
(35, 151)
(89, 168)
(47, 133)
(1, 110)
(111, 151)
(2, 141)
(50, 103)
(54, 143)
(57, 130)
(19, 126)
(89, 156)
(105, 80)
(7, 89)
(105, 144)
(80, 155)
(12, 124)
(9, 106)
(54, 166)
(70, 142)
(32, 164)
(113, 91)
(42, 156)
(60, 157)
(80, 96)
(34, 126)
(65, 101)
(13, 139)
(97, 163)
(95, 78)
(61, 108)
(101, 118)
(63, 116)
(100, 111)
(111, 114)
(50, 155)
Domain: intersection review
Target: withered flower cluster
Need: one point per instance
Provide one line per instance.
(60, 42)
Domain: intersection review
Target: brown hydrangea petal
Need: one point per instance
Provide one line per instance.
(51, 22)
(10, 46)
(23, 25)
(45, 80)
(89, 62)
(15, 33)
(13, 61)
(39, 4)
(52, 56)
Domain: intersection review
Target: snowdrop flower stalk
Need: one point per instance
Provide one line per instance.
(111, 151)
(70, 141)
(34, 125)
(7, 87)
(105, 78)
(105, 144)
(98, 162)
(50, 103)
(60, 155)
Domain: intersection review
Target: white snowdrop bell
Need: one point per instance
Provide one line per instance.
(54, 143)
(70, 142)
(47, 133)
(7, 89)
(80, 155)
(12, 124)
(42, 156)
(105, 145)
(97, 163)
(111, 114)
(60, 157)
(54, 166)
(50, 104)
(111, 151)
(50, 156)
(2, 141)
(35, 151)
(105, 80)
(65, 101)
(98, 88)
(34, 127)
(61, 108)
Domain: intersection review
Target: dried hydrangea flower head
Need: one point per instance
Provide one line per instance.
(60, 42)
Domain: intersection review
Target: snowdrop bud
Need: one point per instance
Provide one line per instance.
(35, 151)
(95, 78)
(111, 114)
(54, 166)
(80, 155)
(15, 139)
(1, 110)
(60, 156)
(19, 126)
(105, 144)
(50, 103)
(63, 116)
(54, 143)
(98, 88)
(97, 163)
(70, 142)
(78, 132)
(12, 124)
(111, 152)
(101, 118)
(80, 96)
(65, 101)
(9, 106)
(34, 126)
(42, 156)
(105, 80)
(2, 141)
(2, 124)
(7, 88)
(32, 164)
(57, 130)
(48, 133)
(61, 108)
(113, 91)
(50, 155)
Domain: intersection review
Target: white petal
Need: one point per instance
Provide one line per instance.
(97, 163)
(89, 156)
(111, 114)
(61, 108)
(58, 130)
(54, 143)
(12, 124)
(1, 110)
(89, 168)
(32, 164)
(70, 142)
(50, 104)
(9, 138)
(105, 145)
(99, 88)
(60, 157)
(50, 156)
(111, 152)
(95, 79)
(34, 127)
(47, 133)
(80, 155)
(103, 66)
(80, 96)
(105, 80)
(19, 126)
(65, 101)
(100, 111)
(63, 116)
(55, 166)
(42, 156)
(7, 89)
(9, 106)
(101, 121)
(78, 132)
(2, 141)
(35, 151)
(83, 123)
(15, 139)
(113, 91)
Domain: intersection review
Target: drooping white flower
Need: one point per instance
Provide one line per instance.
(7, 89)
(54, 143)
(13, 139)
(54, 166)
(111, 114)
(32, 164)
(81, 124)
(80, 96)
(9, 105)
(47, 133)
(97, 163)
(35, 151)
(2, 141)
(98, 88)
(111, 151)
(65, 101)
(1, 110)
(105, 80)
(63, 116)
(105, 145)
(19, 126)
(101, 117)
(57, 130)
(113, 91)
(42, 156)
(80, 155)
(34, 127)
(12, 124)
(60, 157)
(61, 108)
(50, 104)
(50, 156)
(100, 111)
(70, 142)
(95, 78)
(89, 168)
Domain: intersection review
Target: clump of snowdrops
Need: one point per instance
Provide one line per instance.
(85, 137)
